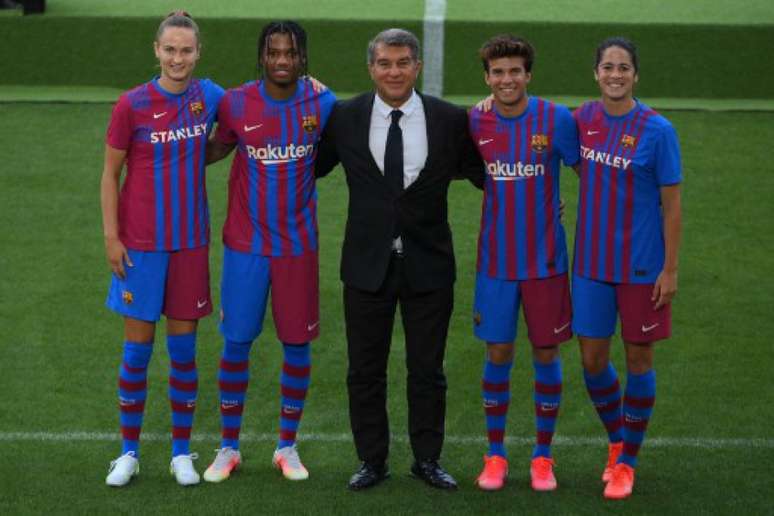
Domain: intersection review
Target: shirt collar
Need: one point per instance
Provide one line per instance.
(408, 107)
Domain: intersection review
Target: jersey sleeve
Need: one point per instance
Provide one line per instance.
(566, 137)
(225, 132)
(213, 94)
(119, 131)
(327, 101)
(667, 157)
(474, 122)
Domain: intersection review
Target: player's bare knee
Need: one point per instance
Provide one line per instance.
(595, 354)
(639, 357)
(499, 353)
(136, 330)
(545, 355)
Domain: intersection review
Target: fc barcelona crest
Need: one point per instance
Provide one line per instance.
(628, 141)
(539, 142)
(310, 123)
(196, 108)
(127, 297)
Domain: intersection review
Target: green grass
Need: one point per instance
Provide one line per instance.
(61, 350)
(689, 49)
(101, 95)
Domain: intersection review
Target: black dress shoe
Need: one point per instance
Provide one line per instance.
(368, 476)
(433, 474)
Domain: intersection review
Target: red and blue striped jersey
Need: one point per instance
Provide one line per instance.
(272, 200)
(163, 201)
(625, 160)
(521, 235)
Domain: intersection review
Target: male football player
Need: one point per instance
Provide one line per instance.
(270, 235)
(522, 255)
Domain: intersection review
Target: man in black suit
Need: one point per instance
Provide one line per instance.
(399, 150)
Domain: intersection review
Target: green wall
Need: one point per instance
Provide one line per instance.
(691, 61)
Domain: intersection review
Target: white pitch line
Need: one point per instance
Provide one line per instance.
(432, 55)
(559, 440)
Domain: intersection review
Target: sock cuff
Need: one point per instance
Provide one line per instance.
(297, 354)
(497, 373)
(606, 377)
(548, 373)
(137, 354)
(236, 351)
(641, 384)
(647, 375)
(182, 348)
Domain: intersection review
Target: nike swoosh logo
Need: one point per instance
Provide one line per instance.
(249, 128)
(560, 329)
(591, 133)
(226, 406)
(310, 327)
(484, 142)
(200, 304)
(156, 116)
(646, 329)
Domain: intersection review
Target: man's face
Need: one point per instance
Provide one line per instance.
(507, 78)
(394, 72)
(280, 60)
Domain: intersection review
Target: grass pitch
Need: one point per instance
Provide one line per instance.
(709, 442)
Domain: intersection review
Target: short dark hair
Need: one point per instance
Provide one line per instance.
(297, 36)
(621, 42)
(178, 19)
(507, 45)
(394, 38)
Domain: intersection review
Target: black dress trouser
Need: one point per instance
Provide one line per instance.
(369, 318)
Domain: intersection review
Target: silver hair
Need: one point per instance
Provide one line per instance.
(394, 38)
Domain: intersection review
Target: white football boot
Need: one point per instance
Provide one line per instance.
(183, 470)
(123, 469)
(226, 461)
(287, 460)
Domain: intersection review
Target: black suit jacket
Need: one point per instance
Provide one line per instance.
(375, 207)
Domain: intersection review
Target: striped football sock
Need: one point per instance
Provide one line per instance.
(233, 377)
(496, 393)
(183, 385)
(548, 396)
(294, 384)
(639, 399)
(605, 393)
(132, 392)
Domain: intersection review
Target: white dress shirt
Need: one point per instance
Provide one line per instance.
(414, 129)
(412, 123)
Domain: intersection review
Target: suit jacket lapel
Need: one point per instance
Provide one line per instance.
(363, 129)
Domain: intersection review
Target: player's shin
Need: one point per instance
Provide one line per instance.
(233, 378)
(294, 384)
(132, 392)
(496, 394)
(183, 387)
(639, 398)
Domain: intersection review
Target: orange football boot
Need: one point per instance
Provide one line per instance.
(621, 482)
(492, 478)
(542, 473)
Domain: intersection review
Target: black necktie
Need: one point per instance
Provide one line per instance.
(393, 152)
